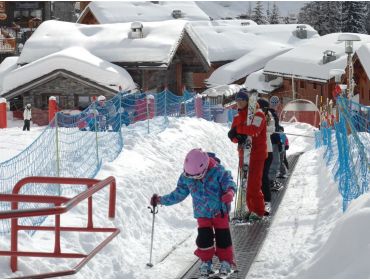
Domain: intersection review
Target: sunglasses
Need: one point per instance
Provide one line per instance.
(196, 176)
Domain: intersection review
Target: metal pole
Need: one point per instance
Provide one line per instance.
(95, 112)
(153, 211)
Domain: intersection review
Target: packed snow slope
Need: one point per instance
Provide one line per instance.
(309, 237)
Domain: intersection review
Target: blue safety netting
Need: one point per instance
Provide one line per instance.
(347, 148)
(77, 145)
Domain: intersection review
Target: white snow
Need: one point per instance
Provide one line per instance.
(7, 65)
(110, 42)
(247, 64)
(76, 60)
(230, 42)
(306, 61)
(309, 237)
(256, 81)
(126, 11)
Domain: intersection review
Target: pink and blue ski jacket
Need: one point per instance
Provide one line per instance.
(206, 193)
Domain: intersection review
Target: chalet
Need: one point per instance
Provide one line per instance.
(103, 12)
(305, 70)
(72, 75)
(18, 20)
(239, 50)
(361, 76)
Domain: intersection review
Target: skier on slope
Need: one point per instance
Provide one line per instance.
(212, 189)
(238, 134)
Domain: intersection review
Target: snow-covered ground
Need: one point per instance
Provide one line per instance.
(309, 237)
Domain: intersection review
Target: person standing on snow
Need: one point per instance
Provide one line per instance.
(27, 116)
(212, 189)
(238, 134)
(270, 128)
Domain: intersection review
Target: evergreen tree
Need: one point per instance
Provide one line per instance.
(354, 14)
(329, 17)
(250, 10)
(368, 18)
(258, 15)
(275, 14)
(324, 16)
(268, 12)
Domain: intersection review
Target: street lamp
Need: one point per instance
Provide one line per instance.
(348, 48)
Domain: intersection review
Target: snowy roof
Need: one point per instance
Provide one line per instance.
(257, 81)
(247, 64)
(306, 61)
(221, 90)
(8, 64)
(363, 54)
(230, 42)
(111, 42)
(127, 11)
(76, 60)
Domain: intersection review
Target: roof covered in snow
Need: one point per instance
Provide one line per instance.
(363, 54)
(257, 81)
(247, 64)
(111, 42)
(128, 11)
(228, 42)
(8, 64)
(306, 61)
(76, 60)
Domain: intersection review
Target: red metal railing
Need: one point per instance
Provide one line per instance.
(61, 205)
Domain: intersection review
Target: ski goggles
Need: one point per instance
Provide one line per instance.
(196, 176)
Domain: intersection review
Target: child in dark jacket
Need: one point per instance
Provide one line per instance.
(212, 189)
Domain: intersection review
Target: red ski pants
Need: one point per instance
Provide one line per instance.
(255, 199)
(210, 229)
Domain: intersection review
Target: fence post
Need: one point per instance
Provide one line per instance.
(198, 106)
(52, 107)
(95, 112)
(149, 108)
(3, 119)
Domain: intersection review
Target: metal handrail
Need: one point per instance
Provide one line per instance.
(62, 205)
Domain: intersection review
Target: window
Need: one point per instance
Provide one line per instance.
(301, 84)
(314, 85)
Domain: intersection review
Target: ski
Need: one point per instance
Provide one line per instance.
(222, 275)
(240, 209)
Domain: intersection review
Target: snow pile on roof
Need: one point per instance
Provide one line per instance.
(125, 11)
(8, 64)
(247, 64)
(306, 61)
(230, 42)
(110, 42)
(76, 60)
(364, 55)
(221, 90)
(257, 81)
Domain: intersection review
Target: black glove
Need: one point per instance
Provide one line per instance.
(232, 133)
(286, 147)
(241, 138)
(155, 200)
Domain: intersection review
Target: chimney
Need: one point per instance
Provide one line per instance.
(176, 14)
(301, 32)
(136, 30)
(328, 56)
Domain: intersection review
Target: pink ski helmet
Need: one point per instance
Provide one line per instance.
(196, 164)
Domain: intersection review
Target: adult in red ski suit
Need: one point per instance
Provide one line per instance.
(238, 134)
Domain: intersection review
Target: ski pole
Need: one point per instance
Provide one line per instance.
(153, 211)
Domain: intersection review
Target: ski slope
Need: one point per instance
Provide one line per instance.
(309, 237)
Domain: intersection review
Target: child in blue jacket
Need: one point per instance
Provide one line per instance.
(212, 190)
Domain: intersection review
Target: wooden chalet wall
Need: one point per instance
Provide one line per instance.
(362, 81)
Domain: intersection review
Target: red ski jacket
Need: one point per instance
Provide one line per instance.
(257, 129)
